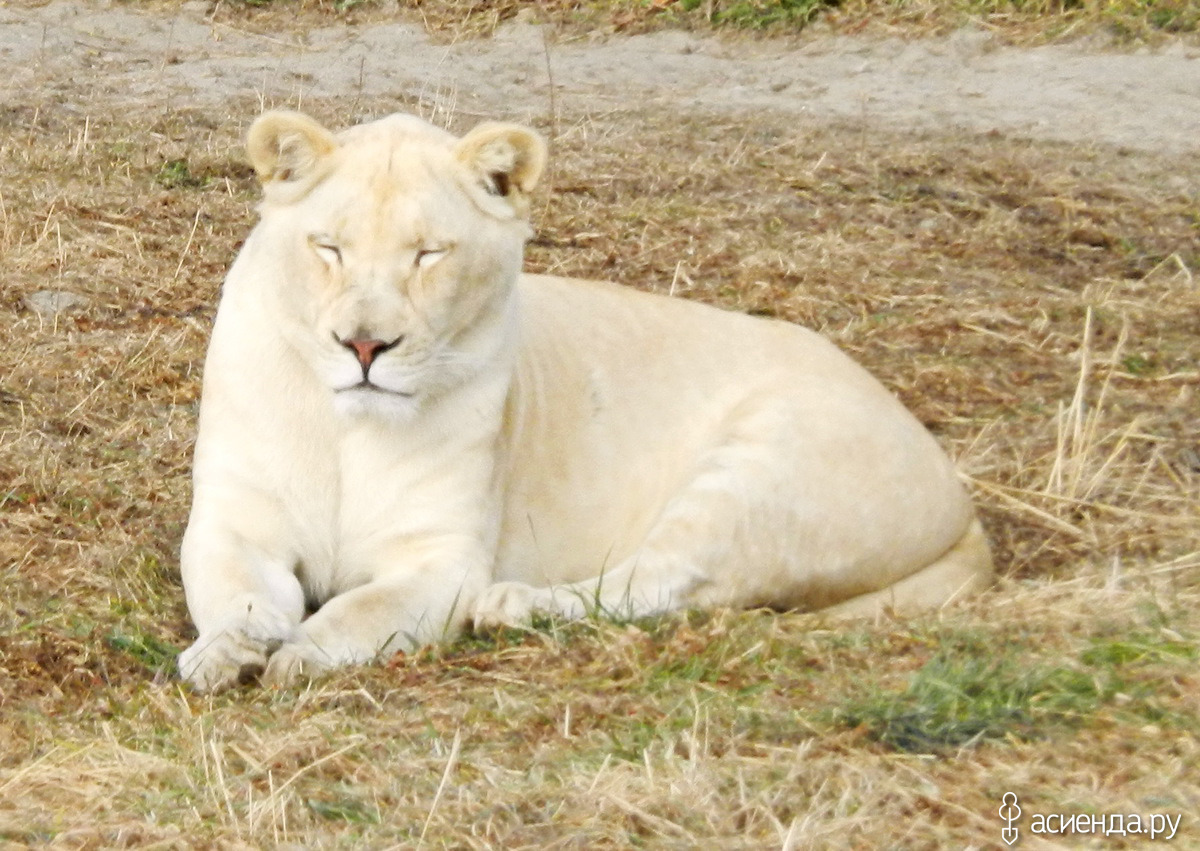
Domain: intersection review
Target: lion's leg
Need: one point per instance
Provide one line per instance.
(716, 520)
(651, 583)
(965, 569)
(244, 606)
(767, 520)
(398, 610)
(630, 591)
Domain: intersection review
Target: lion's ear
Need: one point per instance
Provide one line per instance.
(287, 147)
(506, 160)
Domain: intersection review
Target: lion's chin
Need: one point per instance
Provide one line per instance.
(374, 403)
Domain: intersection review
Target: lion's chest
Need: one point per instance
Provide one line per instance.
(378, 499)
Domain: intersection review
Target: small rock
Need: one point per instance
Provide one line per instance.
(971, 41)
(51, 303)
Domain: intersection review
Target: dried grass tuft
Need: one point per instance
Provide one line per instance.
(1027, 21)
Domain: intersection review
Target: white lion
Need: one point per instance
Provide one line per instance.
(401, 433)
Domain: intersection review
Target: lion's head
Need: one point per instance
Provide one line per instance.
(394, 248)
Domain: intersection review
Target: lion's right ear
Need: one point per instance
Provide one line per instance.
(288, 148)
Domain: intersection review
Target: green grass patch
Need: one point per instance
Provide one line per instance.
(966, 694)
(148, 650)
(177, 174)
(350, 810)
(951, 702)
(758, 14)
(1140, 648)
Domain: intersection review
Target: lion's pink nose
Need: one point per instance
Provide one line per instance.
(367, 350)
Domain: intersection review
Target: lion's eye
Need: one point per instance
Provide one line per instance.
(326, 250)
(426, 257)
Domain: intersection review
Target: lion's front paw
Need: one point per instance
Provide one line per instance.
(294, 662)
(237, 650)
(218, 661)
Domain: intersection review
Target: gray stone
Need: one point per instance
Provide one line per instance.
(51, 303)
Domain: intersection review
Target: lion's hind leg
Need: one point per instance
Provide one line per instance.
(703, 550)
(786, 513)
(630, 591)
(965, 569)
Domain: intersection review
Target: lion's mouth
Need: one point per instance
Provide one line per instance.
(374, 388)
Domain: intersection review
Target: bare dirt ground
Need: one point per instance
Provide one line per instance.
(1008, 237)
(101, 52)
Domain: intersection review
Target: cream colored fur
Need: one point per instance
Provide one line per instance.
(525, 443)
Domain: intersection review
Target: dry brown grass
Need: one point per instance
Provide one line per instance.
(1017, 21)
(1036, 305)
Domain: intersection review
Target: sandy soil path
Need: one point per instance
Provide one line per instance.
(85, 53)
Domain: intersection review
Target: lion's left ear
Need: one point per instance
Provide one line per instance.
(506, 159)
